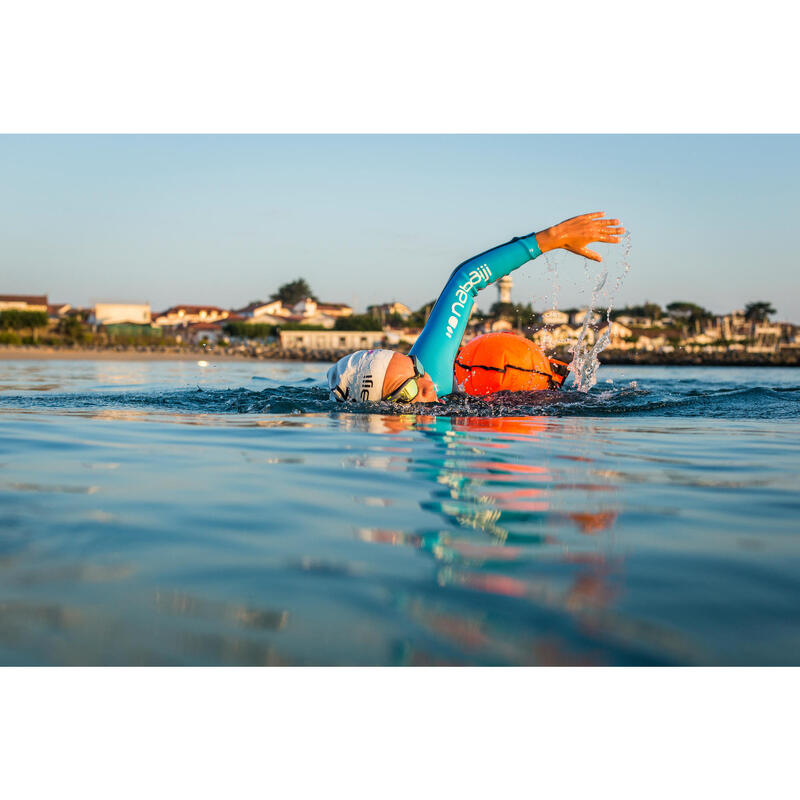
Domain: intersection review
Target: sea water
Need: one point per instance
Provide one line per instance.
(173, 513)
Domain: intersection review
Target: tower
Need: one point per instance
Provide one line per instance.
(504, 289)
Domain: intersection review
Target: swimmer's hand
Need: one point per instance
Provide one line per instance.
(576, 233)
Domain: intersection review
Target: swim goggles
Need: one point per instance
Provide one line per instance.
(408, 390)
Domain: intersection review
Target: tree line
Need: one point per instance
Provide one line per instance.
(686, 313)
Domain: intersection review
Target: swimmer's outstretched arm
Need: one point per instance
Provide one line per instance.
(439, 341)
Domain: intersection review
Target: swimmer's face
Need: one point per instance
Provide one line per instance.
(400, 369)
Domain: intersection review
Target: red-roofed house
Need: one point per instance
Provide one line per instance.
(197, 332)
(58, 310)
(23, 302)
(185, 315)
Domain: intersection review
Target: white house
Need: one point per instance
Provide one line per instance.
(198, 332)
(58, 310)
(637, 322)
(390, 309)
(501, 325)
(335, 309)
(579, 316)
(396, 335)
(23, 302)
(185, 315)
(119, 313)
(331, 340)
(651, 341)
(310, 312)
(311, 308)
(561, 336)
(273, 309)
(554, 317)
(767, 336)
(618, 334)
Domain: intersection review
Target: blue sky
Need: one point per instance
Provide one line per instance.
(226, 219)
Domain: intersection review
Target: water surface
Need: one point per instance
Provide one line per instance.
(171, 513)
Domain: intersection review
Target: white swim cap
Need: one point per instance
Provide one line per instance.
(359, 376)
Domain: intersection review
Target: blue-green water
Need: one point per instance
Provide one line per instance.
(168, 513)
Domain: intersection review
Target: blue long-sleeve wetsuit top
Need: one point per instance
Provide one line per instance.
(438, 343)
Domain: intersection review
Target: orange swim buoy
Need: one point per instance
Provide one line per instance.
(505, 361)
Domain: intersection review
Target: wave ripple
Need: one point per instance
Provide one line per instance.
(653, 398)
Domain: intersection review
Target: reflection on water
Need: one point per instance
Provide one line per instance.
(151, 531)
(485, 516)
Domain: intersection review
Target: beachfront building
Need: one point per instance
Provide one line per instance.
(120, 314)
(791, 337)
(580, 315)
(324, 315)
(561, 336)
(332, 340)
(181, 316)
(199, 332)
(650, 341)
(273, 310)
(57, 311)
(700, 338)
(639, 322)
(23, 302)
(555, 317)
(500, 325)
(619, 335)
(766, 337)
(395, 336)
(335, 310)
(393, 309)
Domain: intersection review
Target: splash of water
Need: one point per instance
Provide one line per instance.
(552, 271)
(585, 356)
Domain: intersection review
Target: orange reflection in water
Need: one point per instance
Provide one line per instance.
(594, 522)
(477, 453)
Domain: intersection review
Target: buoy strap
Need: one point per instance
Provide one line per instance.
(553, 383)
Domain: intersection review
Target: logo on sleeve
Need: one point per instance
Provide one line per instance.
(482, 273)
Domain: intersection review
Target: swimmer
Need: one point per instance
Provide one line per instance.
(425, 375)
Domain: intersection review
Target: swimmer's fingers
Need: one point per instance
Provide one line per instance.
(585, 252)
(585, 218)
(606, 226)
(608, 239)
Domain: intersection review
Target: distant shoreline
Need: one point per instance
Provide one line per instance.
(733, 358)
(128, 354)
(608, 357)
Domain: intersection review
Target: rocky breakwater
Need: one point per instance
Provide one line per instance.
(731, 358)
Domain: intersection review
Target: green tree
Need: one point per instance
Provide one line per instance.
(649, 310)
(293, 292)
(71, 328)
(519, 314)
(500, 310)
(11, 319)
(357, 322)
(387, 320)
(419, 317)
(17, 320)
(684, 313)
(477, 316)
(758, 311)
(652, 310)
(249, 330)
